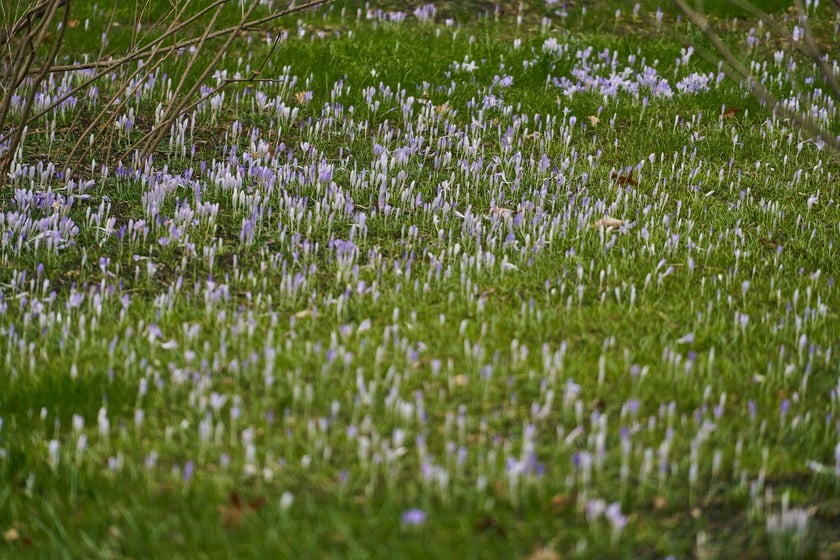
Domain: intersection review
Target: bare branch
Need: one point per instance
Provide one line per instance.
(738, 72)
(807, 45)
(34, 40)
(21, 40)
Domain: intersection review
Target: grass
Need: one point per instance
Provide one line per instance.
(297, 329)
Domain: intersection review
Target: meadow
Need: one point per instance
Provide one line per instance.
(447, 281)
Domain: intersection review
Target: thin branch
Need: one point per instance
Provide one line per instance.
(23, 54)
(250, 26)
(17, 135)
(736, 71)
(177, 91)
(114, 64)
(157, 133)
(807, 46)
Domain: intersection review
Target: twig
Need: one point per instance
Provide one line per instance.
(736, 71)
(17, 134)
(806, 46)
(22, 56)
(151, 139)
(141, 53)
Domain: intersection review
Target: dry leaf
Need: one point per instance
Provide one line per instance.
(485, 293)
(302, 97)
(608, 222)
(541, 553)
(460, 380)
(659, 503)
(257, 503)
(501, 212)
(730, 113)
(624, 179)
(767, 242)
(594, 120)
(443, 108)
(559, 503)
(11, 535)
(72, 23)
(302, 314)
(232, 515)
(490, 524)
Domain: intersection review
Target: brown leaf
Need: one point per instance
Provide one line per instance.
(559, 503)
(234, 514)
(767, 242)
(594, 120)
(235, 500)
(490, 524)
(624, 179)
(542, 553)
(72, 23)
(442, 108)
(257, 503)
(505, 213)
(231, 517)
(608, 222)
(11, 535)
(730, 112)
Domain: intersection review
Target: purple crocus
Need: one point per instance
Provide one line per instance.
(414, 517)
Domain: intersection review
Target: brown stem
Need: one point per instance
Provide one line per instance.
(5, 165)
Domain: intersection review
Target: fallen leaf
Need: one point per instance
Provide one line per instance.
(542, 553)
(608, 222)
(659, 503)
(257, 503)
(11, 535)
(442, 108)
(624, 179)
(501, 212)
(302, 314)
(767, 242)
(559, 503)
(594, 120)
(730, 112)
(302, 97)
(490, 524)
(499, 489)
(232, 515)
(72, 23)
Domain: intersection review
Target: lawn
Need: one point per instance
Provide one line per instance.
(441, 281)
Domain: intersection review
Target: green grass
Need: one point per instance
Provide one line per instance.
(287, 373)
